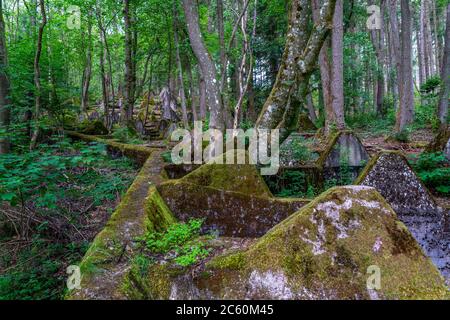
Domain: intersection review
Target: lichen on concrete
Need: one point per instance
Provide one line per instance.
(390, 173)
(356, 228)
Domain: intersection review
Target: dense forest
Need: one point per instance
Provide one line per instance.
(88, 86)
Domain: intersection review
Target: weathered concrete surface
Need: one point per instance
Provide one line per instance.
(430, 233)
(344, 148)
(228, 213)
(343, 157)
(390, 173)
(321, 252)
(234, 200)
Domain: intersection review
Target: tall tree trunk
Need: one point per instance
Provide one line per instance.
(202, 98)
(128, 92)
(37, 75)
(445, 75)
(405, 113)
(179, 66)
(298, 62)
(325, 72)
(337, 69)
(378, 38)
(5, 99)
(420, 52)
(311, 109)
(87, 71)
(223, 57)
(206, 63)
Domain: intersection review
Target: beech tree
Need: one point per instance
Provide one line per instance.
(207, 66)
(299, 60)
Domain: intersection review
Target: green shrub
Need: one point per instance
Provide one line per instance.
(126, 135)
(180, 242)
(434, 171)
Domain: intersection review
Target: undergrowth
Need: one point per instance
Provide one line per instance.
(53, 201)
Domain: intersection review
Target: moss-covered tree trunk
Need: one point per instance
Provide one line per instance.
(302, 48)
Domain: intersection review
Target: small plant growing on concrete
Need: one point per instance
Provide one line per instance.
(180, 243)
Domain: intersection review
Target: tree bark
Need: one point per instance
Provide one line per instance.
(445, 75)
(5, 101)
(129, 78)
(206, 63)
(337, 70)
(377, 38)
(87, 71)
(37, 75)
(202, 99)
(179, 66)
(405, 113)
(298, 62)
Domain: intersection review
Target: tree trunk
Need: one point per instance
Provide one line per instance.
(325, 72)
(311, 109)
(223, 58)
(206, 63)
(37, 75)
(445, 75)
(298, 62)
(405, 113)
(202, 99)
(5, 101)
(128, 92)
(378, 43)
(87, 71)
(179, 66)
(337, 70)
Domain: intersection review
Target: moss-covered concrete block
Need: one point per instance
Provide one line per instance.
(327, 250)
(390, 173)
(139, 154)
(229, 213)
(344, 147)
(243, 178)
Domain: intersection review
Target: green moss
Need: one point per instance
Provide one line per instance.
(138, 287)
(243, 178)
(235, 261)
(440, 141)
(342, 262)
(159, 215)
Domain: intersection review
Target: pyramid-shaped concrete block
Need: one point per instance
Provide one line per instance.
(343, 147)
(390, 173)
